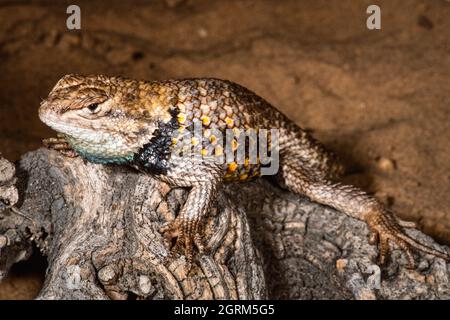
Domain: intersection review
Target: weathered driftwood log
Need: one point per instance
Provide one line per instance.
(98, 227)
(14, 245)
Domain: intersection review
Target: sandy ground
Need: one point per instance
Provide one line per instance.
(380, 99)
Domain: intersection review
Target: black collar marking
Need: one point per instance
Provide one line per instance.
(153, 156)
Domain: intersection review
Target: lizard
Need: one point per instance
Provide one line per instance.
(117, 120)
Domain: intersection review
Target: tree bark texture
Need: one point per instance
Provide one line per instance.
(98, 227)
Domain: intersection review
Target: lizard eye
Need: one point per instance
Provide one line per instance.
(94, 110)
(93, 107)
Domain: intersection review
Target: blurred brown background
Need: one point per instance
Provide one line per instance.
(380, 99)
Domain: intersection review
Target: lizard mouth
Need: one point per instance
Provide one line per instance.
(55, 122)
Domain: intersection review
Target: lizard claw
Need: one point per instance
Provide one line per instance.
(186, 238)
(60, 144)
(385, 228)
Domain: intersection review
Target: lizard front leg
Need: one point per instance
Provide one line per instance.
(203, 178)
(384, 226)
(187, 227)
(60, 144)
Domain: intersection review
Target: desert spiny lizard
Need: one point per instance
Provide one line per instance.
(149, 125)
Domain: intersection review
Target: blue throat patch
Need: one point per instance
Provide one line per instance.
(103, 160)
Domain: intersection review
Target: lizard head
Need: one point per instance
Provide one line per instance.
(104, 119)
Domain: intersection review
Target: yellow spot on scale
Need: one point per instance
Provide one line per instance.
(228, 175)
(232, 166)
(218, 151)
(205, 120)
(181, 118)
(174, 141)
(194, 141)
(246, 162)
(243, 176)
(229, 122)
(204, 152)
(213, 139)
(181, 128)
(234, 145)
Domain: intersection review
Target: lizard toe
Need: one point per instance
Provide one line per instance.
(61, 145)
(386, 228)
(198, 240)
(187, 237)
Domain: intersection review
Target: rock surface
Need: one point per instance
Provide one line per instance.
(97, 225)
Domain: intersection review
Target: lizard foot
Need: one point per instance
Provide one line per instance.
(187, 234)
(384, 227)
(60, 144)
